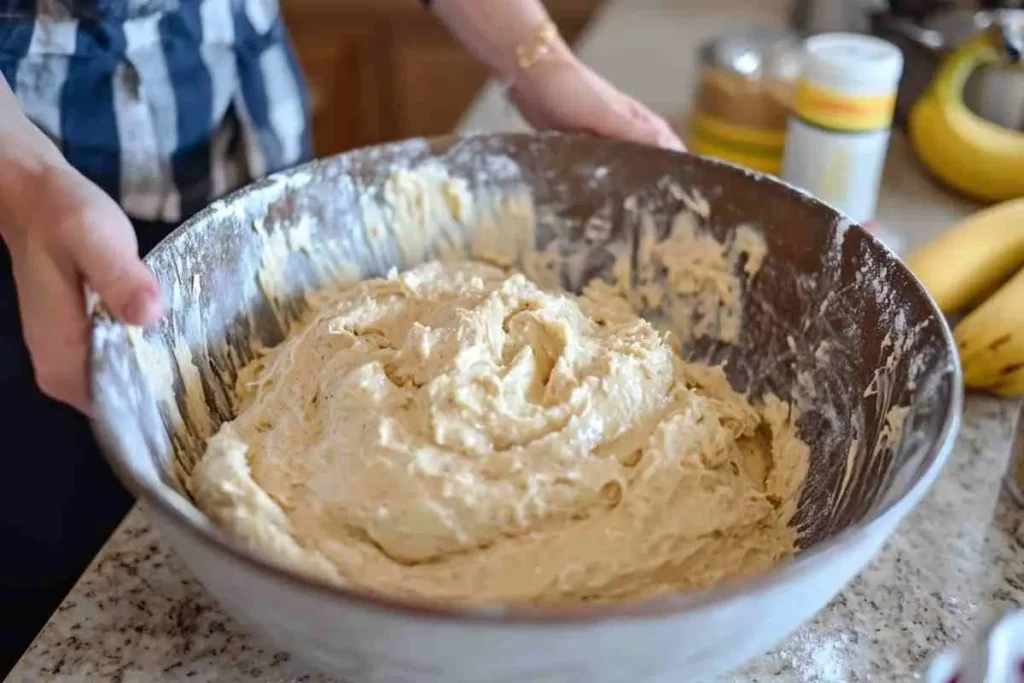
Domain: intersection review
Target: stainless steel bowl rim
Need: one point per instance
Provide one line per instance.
(159, 496)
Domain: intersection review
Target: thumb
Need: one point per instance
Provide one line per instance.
(106, 254)
(126, 286)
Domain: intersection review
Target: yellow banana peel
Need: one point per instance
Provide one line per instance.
(980, 260)
(991, 338)
(973, 257)
(971, 154)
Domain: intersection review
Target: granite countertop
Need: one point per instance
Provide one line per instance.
(137, 615)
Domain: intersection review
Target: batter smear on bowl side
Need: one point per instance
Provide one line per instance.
(458, 433)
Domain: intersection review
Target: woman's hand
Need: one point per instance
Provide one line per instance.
(557, 91)
(62, 232)
(562, 93)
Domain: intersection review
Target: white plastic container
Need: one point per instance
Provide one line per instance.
(839, 130)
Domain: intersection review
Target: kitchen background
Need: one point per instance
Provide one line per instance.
(408, 77)
(384, 69)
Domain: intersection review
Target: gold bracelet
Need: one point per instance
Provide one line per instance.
(543, 42)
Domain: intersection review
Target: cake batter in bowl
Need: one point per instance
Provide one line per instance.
(457, 433)
(818, 329)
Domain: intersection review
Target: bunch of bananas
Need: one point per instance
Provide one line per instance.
(979, 263)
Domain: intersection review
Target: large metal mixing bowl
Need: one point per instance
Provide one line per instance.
(833, 321)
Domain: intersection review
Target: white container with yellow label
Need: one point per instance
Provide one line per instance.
(839, 130)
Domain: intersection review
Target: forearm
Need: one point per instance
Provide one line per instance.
(493, 29)
(26, 158)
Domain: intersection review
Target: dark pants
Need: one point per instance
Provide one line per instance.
(59, 500)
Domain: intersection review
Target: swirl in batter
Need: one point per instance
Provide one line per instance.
(457, 433)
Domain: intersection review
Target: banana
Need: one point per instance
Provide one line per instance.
(973, 256)
(1013, 385)
(969, 153)
(991, 340)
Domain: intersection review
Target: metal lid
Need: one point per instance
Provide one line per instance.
(756, 54)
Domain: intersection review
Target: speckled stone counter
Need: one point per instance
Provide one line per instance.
(136, 614)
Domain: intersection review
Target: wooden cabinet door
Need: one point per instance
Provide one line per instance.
(340, 61)
(433, 82)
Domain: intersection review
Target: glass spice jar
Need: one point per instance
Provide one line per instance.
(744, 97)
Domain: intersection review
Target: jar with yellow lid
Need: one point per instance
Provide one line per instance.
(744, 97)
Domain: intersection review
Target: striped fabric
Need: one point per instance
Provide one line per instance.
(165, 104)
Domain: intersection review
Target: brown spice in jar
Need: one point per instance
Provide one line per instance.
(754, 103)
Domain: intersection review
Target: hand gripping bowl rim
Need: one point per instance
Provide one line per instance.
(172, 505)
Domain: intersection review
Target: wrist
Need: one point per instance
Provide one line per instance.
(535, 55)
(497, 31)
(558, 60)
(25, 175)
